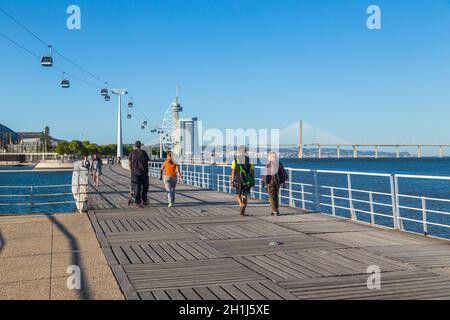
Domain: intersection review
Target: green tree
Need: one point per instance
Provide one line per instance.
(62, 148)
(45, 139)
(127, 149)
(76, 147)
(92, 148)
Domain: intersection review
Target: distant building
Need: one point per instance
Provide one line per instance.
(31, 141)
(189, 137)
(7, 137)
(11, 141)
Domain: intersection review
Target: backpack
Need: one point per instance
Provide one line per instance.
(282, 174)
(246, 178)
(279, 178)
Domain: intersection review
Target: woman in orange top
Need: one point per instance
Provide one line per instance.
(170, 177)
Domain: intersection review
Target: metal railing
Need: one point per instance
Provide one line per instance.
(412, 203)
(42, 198)
(195, 178)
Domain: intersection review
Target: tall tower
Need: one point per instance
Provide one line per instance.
(175, 109)
(300, 139)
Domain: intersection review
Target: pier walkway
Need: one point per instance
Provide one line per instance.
(203, 249)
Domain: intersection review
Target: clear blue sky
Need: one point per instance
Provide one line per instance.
(252, 63)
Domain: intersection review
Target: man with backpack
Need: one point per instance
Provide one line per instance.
(274, 176)
(242, 177)
(138, 161)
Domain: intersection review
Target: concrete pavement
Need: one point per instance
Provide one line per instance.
(35, 252)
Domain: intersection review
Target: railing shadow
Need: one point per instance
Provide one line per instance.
(84, 292)
(2, 243)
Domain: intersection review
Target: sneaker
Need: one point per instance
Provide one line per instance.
(136, 206)
(275, 214)
(170, 205)
(145, 203)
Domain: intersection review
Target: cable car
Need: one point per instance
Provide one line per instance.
(65, 83)
(130, 104)
(104, 92)
(145, 123)
(107, 98)
(47, 60)
(142, 127)
(129, 116)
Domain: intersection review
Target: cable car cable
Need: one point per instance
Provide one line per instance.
(47, 45)
(20, 46)
(38, 57)
(23, 26)
(58, 53)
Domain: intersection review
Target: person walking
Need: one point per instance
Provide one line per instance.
(274, 176)
(242, 177)
(96, 168)
(85, 163)
(170, 170)
(138, 162)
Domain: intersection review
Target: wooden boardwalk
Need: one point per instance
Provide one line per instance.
(203, 249)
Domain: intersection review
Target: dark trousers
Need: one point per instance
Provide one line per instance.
(140, 186)
(273, 190)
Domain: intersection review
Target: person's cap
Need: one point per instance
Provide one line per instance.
(138, 144)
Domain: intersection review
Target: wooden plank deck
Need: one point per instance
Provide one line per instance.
(202, 249)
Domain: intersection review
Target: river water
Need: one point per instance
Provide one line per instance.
(28, 191)
(313, 198)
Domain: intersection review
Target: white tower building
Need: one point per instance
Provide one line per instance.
(189, 137)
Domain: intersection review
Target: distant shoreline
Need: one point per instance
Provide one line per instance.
(6, 164)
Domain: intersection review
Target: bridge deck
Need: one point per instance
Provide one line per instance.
(203, 249)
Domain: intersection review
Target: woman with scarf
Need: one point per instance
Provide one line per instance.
(274, 176)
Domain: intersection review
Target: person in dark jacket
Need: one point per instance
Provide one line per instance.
(138, 161)
(274, 176)
(85, 163)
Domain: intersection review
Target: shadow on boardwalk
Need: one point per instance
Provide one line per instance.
(84, 293)
(2, 243)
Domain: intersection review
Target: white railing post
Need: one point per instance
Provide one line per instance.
(291, 194)
(372, 216)
(333, 208)
(424, 216)
(302, 186)
(395, 201)
(78, 189)
(350, 197)
(203, 177)
(223, 174)
(316, 191)
(260, 189)
(188, 174)
(195, 176)
(31, 199)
